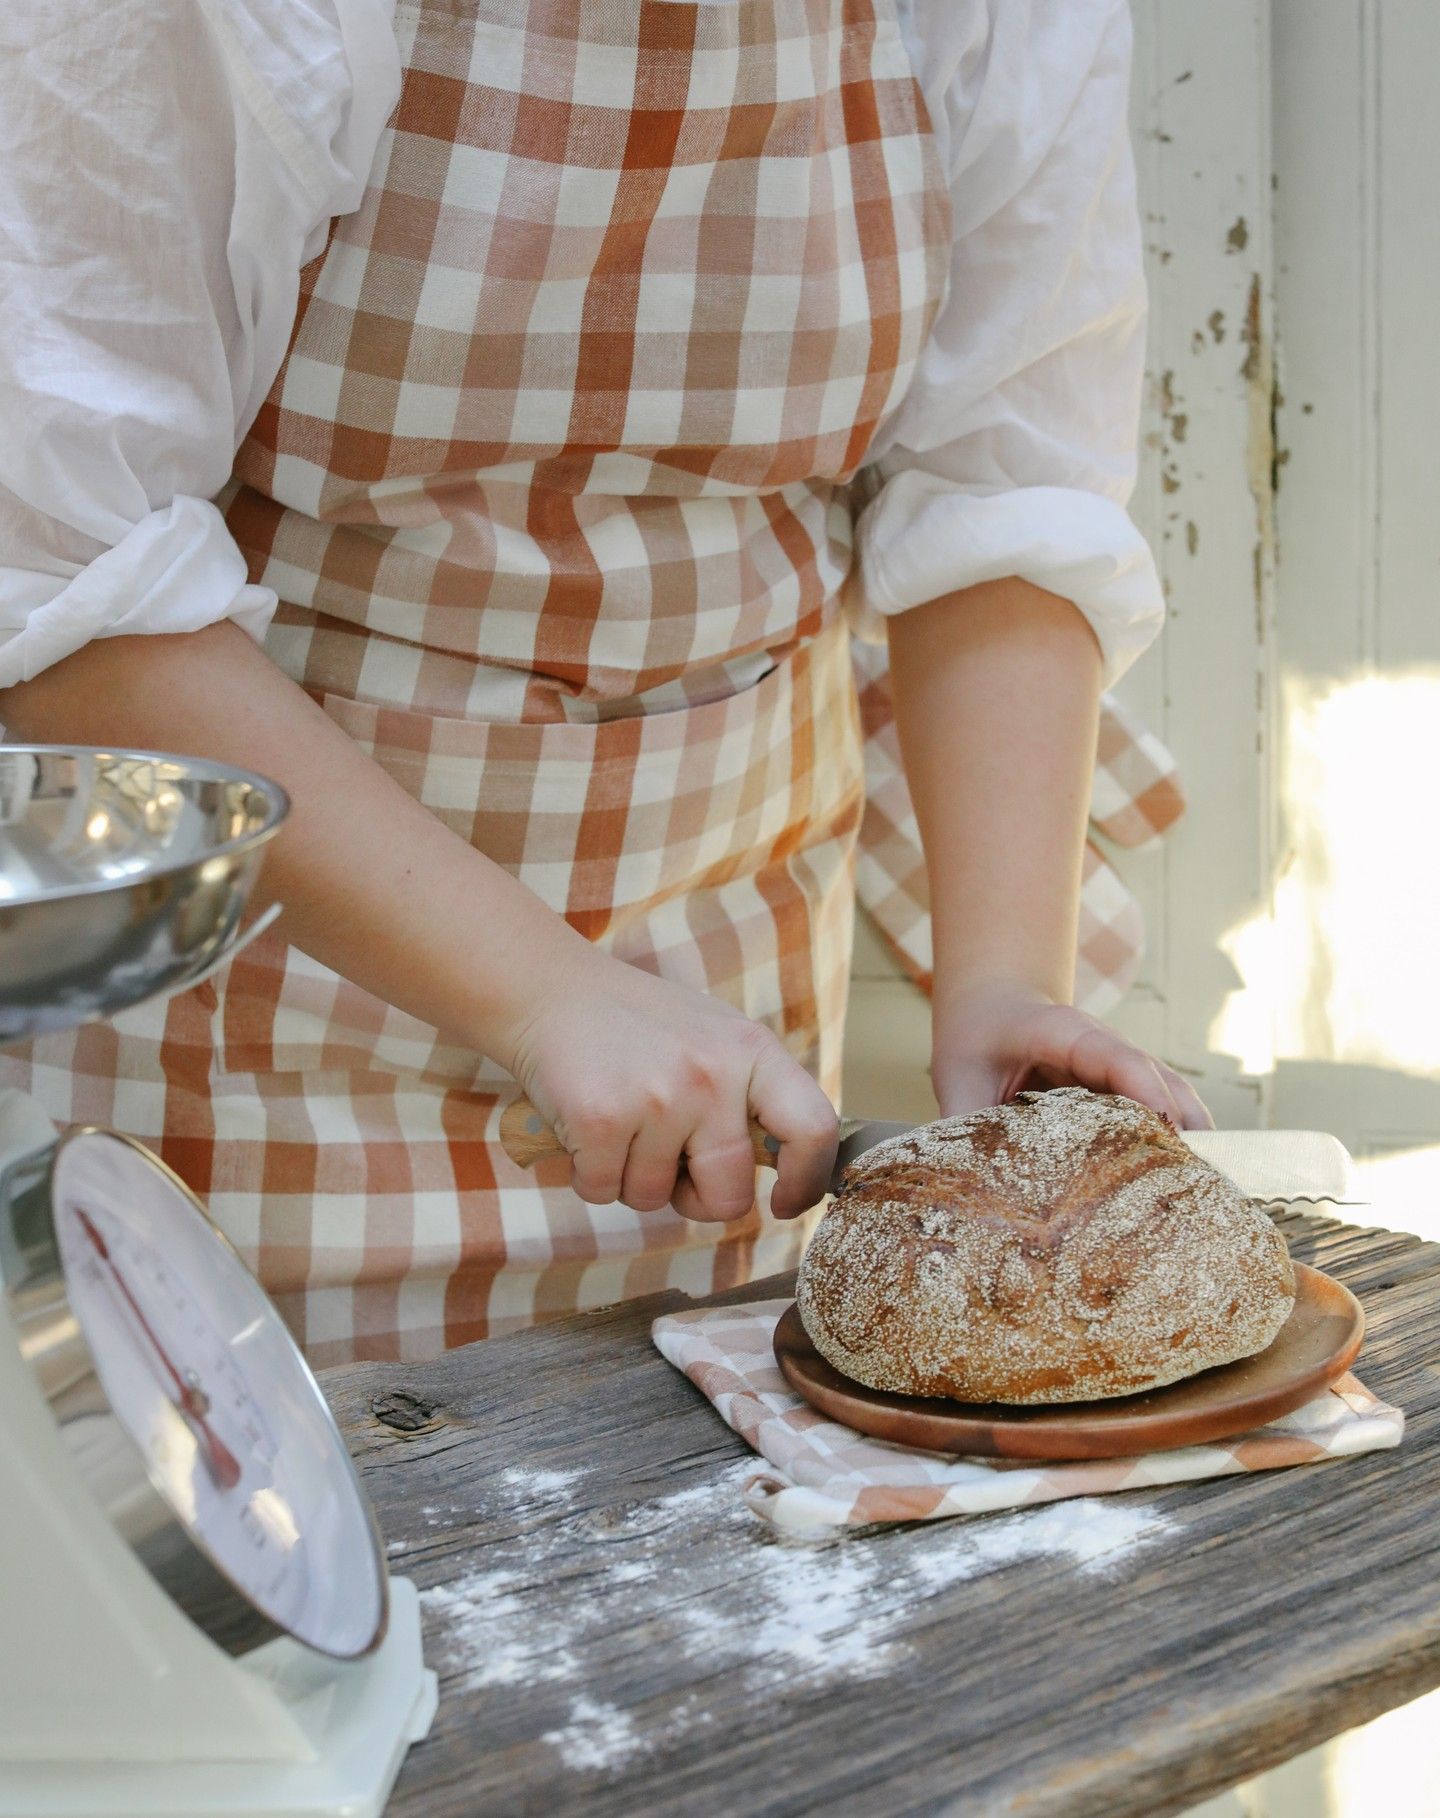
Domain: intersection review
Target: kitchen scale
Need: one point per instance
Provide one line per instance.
(195, 1616)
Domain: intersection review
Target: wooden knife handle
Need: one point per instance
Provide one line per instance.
(526, 1137)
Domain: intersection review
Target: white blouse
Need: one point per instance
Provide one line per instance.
(167, 167)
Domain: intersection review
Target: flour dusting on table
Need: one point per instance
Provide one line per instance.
(543, 1485)
(597, 1736)
(785, 1619)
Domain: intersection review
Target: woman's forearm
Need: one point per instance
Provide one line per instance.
(373, 885)
(996, 699)
(647, 1082)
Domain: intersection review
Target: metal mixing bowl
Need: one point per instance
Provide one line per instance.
(123, 875)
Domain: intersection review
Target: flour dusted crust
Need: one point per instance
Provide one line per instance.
(1065, 1247)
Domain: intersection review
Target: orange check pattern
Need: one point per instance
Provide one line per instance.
(555, 488)
(822, 1476)
(574, 399)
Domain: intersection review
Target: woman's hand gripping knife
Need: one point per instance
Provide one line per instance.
(649, 1084)
(996, 697)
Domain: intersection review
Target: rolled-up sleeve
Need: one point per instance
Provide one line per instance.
(1014, 450)
(166, 167)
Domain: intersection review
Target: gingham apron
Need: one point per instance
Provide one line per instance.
(554, 489)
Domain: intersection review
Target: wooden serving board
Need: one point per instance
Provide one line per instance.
(1314, 1348)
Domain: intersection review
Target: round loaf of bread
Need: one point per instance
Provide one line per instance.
(1065, 1247)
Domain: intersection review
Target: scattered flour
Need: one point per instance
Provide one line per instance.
(494, 1637)
(782, 1617)
(542, 1486)
(1090, 1534)
(598, 1736)
(602, 1737)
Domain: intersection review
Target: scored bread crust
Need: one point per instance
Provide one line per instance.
(1067, 1246)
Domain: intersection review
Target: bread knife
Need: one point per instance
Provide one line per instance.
(1304, 1166)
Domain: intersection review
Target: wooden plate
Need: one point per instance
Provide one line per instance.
(1315, 1346)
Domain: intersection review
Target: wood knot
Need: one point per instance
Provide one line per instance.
(627, 1521)
(404, 1411)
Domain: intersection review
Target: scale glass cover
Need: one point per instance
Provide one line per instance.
(209, 1385)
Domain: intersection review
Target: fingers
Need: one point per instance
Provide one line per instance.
(684, 1142)
(1136, 1076)
(677, 1133)
(655, 1160)
(1097, 1057)
(719, 1179)
(716, 1180)
(598, 1135)
(1140, 1076)
(797, 1113)
(1194, 1114)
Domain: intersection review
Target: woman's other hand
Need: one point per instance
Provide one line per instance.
(996, 1040)
(650, 1086)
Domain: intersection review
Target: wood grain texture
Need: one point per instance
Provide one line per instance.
(616, 1634)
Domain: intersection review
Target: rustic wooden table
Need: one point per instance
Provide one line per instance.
(615, 1633)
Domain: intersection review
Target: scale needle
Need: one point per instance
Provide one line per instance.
(191, 1400)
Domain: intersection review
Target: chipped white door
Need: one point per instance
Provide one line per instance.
(1302, 696)
(1353, 973)
(1287, 152)
(1201, 125)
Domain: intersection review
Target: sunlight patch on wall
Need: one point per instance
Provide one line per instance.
(1403, 1189)
(1346, 965)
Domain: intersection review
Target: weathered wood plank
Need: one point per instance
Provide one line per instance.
(616, 1634)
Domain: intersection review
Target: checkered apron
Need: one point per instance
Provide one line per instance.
(554, 489)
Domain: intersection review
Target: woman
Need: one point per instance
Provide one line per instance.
(579, 410)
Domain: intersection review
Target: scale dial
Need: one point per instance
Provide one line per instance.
(207, 1382)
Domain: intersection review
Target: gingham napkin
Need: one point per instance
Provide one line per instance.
(825, 1476)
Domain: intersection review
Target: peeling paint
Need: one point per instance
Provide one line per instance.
(1238, 237)
(1192, 535)
(1176, 422)
(1251, 337)
(1215, 322)
(1261, 471)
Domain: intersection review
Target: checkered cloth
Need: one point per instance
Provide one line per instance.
(1136, 797)
(825, 1476)
(577, 395)
(554, 487)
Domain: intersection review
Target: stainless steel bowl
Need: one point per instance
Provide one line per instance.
(123, 875)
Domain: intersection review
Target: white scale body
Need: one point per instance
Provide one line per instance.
(112, 1701)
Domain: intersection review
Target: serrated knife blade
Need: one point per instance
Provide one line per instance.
(1270, 1165)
